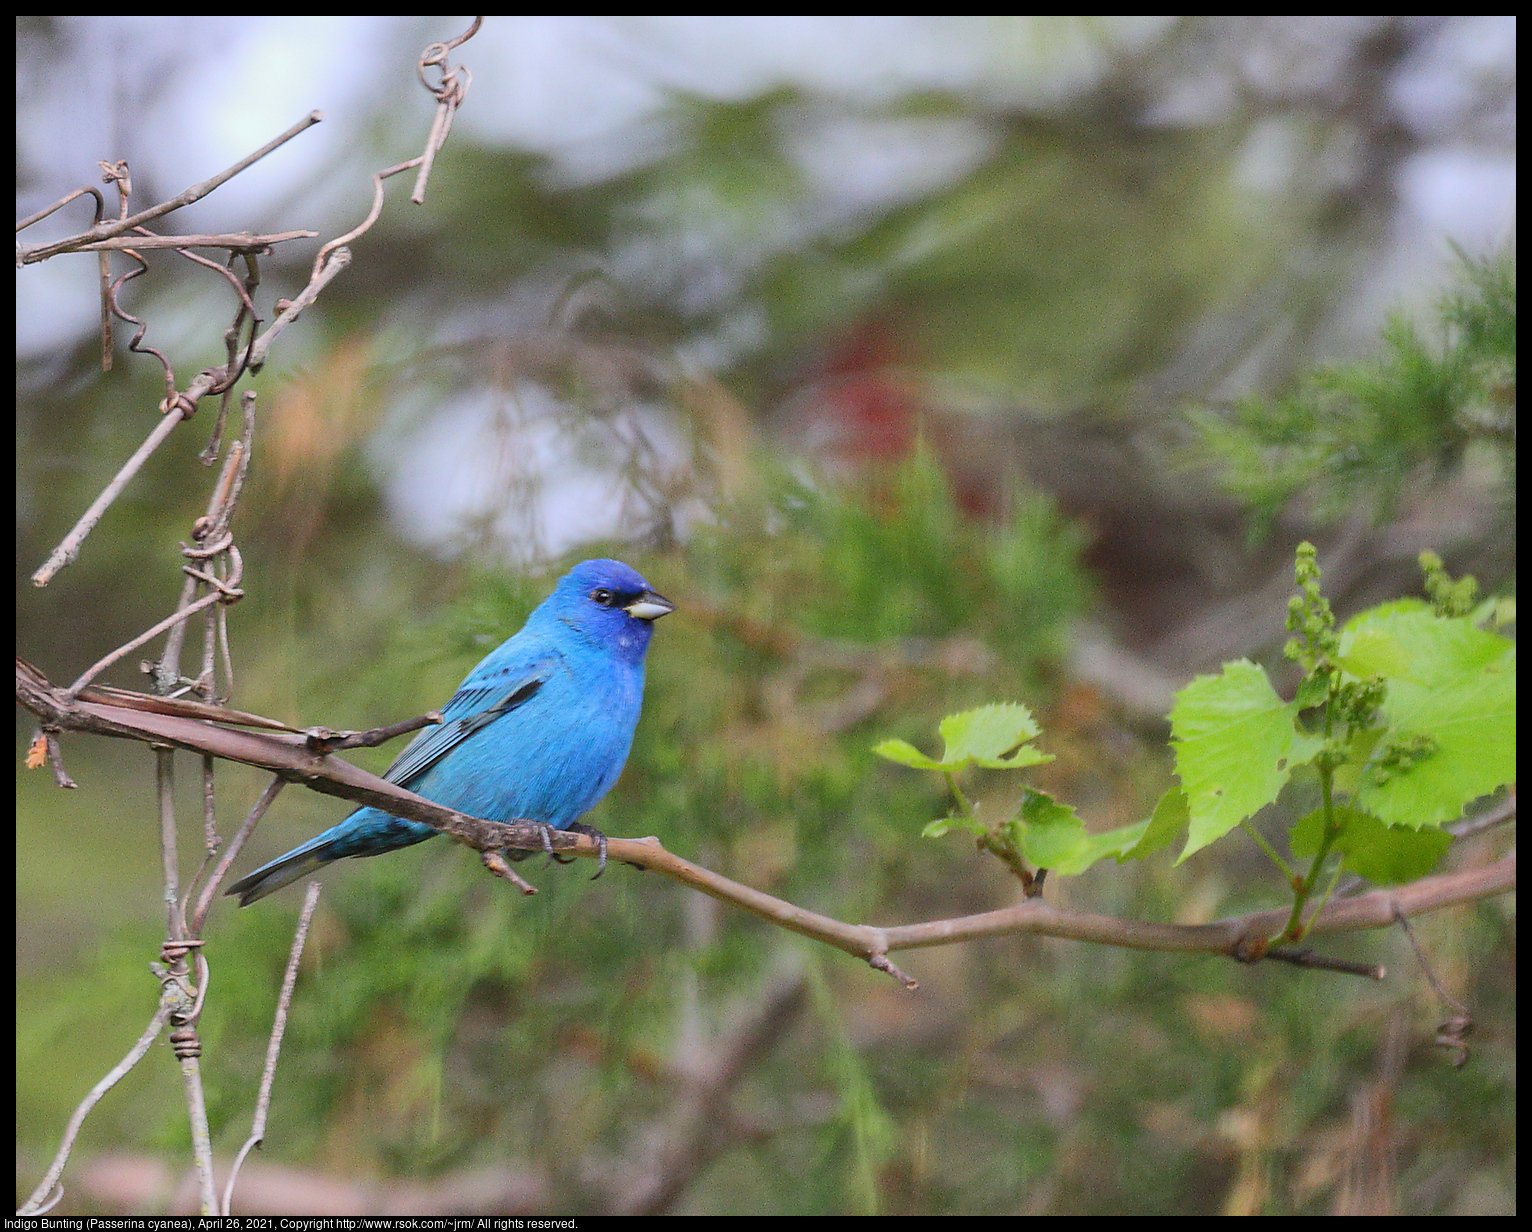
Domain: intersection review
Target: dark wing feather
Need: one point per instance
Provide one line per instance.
(434, 743)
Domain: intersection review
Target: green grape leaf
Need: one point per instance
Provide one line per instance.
(1140, 839)
(1050, 835)
(981, 737)
(1171, 815)
(906, 754)
(1236, 747)
(1406, 640)
(1370, 848)
(1358, 748)
(1372, 651)
(1456, 695)
(985, 735)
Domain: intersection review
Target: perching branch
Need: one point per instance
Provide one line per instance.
(288, 755)
(236, 241)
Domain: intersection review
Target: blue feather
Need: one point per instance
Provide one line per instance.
(540, 729)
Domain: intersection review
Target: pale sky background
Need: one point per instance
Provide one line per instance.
(589, 93)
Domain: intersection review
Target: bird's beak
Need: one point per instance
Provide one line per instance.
(649, 606)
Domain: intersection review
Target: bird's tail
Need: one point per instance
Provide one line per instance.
(367, 832)
(285, 870)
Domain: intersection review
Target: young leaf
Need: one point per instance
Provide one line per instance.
(1384, 854)
(1171, 815)
(985, 735)
(976, 737)
(1236, 747)
(944, 825)
(1451, 697)
(1051, 834)
(906, 754)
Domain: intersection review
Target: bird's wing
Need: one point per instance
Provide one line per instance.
(479, 701)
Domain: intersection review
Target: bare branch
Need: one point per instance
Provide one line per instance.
(238, 241)
(56, 760)
(183, 706)
(1323, 962)
(1452, 1033)
(449, 94)
(1498, 816)
(104, 231)
(338, 261)
(211, 531)
(148, 635)
(323, 740)
(69, 548)
(274, 1044)
(247, 827)
(1241, 937)
(63, 201)
(34, 1205)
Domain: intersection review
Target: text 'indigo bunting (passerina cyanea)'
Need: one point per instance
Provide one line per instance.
(539, 730)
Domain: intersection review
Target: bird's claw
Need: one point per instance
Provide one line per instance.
(545, 832)
(592, 832)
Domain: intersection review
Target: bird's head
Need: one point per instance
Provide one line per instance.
(608, 603)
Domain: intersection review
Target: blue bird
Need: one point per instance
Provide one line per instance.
(540, 729)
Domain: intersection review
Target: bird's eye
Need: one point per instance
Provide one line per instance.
(602, 596)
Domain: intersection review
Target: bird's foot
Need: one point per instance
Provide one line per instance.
(546, 832)
(580, 827)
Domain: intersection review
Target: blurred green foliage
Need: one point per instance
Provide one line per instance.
(1358, 433)
(443, 1023)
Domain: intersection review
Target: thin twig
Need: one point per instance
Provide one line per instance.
(231, 853)
(1323, 962)
(1452, 1033)
(149, 635)
(337, 263)
(184, 706)
(202, 1140)
(41, 252)
(62, 202)
(34, 1204)
(175, 925)
(239, 241)
(274, 1044)
(340, 242)
(69, 548)
(500, 867)
(188, 1047)
(1497, 816)
(449, 94)
(323, 740)
(212, 528)
(56, 760)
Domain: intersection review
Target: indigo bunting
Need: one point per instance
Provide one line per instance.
(540, 729)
